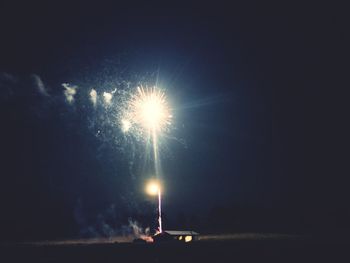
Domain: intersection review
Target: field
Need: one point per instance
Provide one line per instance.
(210, 248)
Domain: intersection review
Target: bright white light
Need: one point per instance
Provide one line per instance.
(126, 125)
(152, 188)
(188, 238)
(150, 109)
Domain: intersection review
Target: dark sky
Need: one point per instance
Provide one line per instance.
(258, 111)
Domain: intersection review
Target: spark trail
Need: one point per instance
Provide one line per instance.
(150, 112)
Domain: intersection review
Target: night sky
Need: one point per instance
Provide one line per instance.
(257, 141)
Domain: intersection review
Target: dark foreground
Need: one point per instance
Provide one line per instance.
(214, 249)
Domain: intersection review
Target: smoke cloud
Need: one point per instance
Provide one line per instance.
(107, 96)
(69, 92)
(108, 224)
(93, 97)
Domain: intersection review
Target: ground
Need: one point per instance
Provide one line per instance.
(211, 248)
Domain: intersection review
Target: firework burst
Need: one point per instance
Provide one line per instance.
(147, 110)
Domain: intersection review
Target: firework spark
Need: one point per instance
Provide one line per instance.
(150, 109)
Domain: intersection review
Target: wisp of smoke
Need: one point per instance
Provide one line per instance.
(40, 85)
(107, 96)
(93, 97)
(69, 92)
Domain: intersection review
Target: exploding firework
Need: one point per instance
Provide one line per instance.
(150, 112)
(150, 109)
(147, 111)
